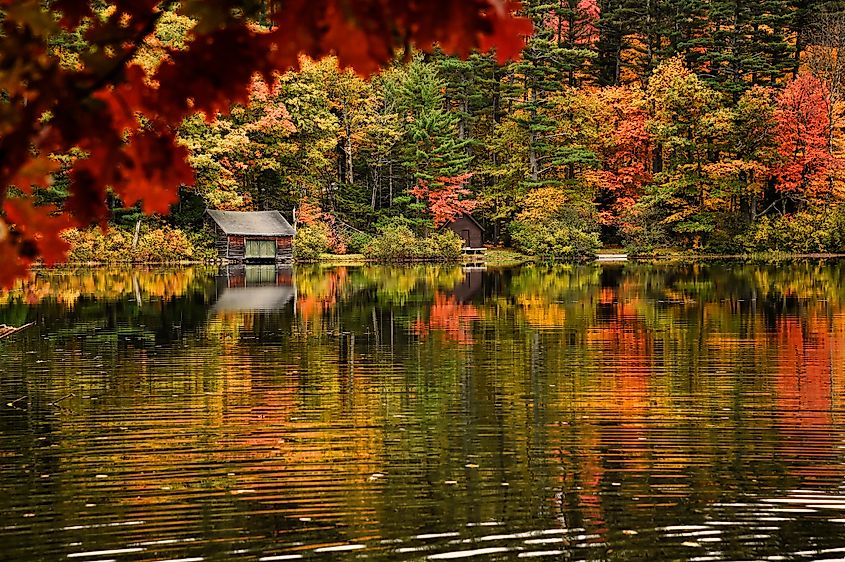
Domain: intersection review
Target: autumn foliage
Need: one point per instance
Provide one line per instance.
(121, 117)
(624, 147)
(446, 200)
(310, 214)
(803, 135)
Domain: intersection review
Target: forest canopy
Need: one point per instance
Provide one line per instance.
(707, 125)
(76, 94)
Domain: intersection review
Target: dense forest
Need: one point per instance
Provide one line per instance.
(706, 125)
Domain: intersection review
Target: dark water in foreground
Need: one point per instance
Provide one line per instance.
(633, 412)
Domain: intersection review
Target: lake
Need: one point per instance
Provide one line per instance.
(598, 412)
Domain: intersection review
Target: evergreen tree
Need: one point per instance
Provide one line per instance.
(433, 148)
(749, 44)
(548, 62)
(615, 27)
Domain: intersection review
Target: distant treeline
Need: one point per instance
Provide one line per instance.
(713, 125)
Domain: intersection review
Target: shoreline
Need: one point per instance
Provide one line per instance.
(495, 257)
(756, 256)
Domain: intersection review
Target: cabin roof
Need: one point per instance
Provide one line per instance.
(252, 223)
(467, 216)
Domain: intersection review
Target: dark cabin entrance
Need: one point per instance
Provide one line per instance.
(466, 237)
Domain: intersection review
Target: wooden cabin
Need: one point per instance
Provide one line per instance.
(256, 236)
(468, 229)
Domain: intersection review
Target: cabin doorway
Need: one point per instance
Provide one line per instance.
(260, 250)
(465, 237)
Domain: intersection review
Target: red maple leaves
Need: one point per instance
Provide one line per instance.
(803, 133)
(122, 119)
(625, 151)
(445, 202)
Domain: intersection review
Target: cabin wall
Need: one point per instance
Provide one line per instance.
(221, 241)
(237, 247)
(284, 249)
(468, 231)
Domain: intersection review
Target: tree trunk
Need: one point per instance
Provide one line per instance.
(137, 234)
(657, 161)
(752, 211)
(650, 35)
(390, 184)
(347, 146)
(375, 188)
(532, 141)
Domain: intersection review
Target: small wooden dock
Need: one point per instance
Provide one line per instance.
(473, 257)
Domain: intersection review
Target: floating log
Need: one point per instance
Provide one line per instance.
(6, 331)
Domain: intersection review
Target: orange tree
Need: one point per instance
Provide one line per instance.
(118, 117)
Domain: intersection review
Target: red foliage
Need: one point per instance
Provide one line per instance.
(625, 154)
(451, 318)
(577, 25)
(802, 132)
(37, 232)
(444, 201)
(309, 213)
(95, 106)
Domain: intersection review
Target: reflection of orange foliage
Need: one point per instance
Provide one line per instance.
(314, 295)
(629, 348)
(102, 283)
(264, 434)
(803, 382)
(607, 295)
(541, 313)
(590, 481)
(308, 306)
(805, 361)
(449, 317)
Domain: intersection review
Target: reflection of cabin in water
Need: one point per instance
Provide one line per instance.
(254, 288)
(252, 236)
(469, 231)
(470, 286)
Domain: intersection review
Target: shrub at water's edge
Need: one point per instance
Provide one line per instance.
(356, 242)
(311, 241)
(554, 240)
(160, 244)
(820, 230)
(398, 243)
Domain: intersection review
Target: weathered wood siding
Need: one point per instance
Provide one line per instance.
(237, 248)
(221, 241)
(284, 249)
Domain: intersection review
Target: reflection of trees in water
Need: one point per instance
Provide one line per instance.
(562, 381)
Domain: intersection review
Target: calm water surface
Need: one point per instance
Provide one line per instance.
(618, 412)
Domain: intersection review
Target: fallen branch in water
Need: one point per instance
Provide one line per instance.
(65, 397)
(6, 331)
(14, 403)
